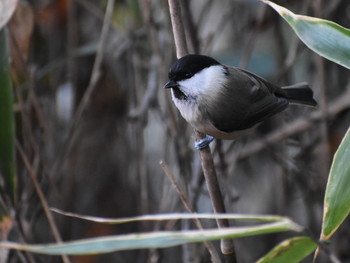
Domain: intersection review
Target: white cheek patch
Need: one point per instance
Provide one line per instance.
(194, 85)
(200, 87)
(204, 82)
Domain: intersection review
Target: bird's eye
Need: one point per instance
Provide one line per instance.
(188, 75)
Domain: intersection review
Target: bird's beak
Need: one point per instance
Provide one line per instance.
(171, 84)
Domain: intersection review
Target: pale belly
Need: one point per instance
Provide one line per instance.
(191, 113)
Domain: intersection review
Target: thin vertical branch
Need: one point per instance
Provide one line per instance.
(227, 247)
(208, 167)
(178, 29)
(192, 36)
(250, 45)
(95, 75)
(32, 173)
(320, 67)
(214, 256)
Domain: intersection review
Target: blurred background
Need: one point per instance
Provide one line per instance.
(94, 122)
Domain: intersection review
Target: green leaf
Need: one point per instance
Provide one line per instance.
(158, 239)
(337, 196)
(290, 251)
(7, 148)
(172, 216)
(324, 37)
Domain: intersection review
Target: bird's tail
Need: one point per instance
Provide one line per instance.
(300, 93)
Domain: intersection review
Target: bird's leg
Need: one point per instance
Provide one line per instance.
(203, 142)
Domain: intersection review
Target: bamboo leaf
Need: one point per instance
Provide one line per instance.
(160, 239)
(324, 37)
(292, 250)
(172, 216)
(7, 149)
(337, 196)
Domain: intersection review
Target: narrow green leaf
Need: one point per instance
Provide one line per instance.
(7, 149)
(324, 37)
(159, 239)
(172, 216)
(292, 250)
(337, 196)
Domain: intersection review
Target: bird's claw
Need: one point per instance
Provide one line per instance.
(204, 142)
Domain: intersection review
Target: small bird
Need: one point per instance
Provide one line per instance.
(224, 102)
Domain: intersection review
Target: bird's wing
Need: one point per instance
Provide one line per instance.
(245, 101)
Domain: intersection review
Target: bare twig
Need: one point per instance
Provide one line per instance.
(150, 94)
(293, 48)
(178, 30)
(250, 45)
(92, 8)
(208, 167)
(320, 63)
(186, 203)
(214, 192)
(191, 31)
(321, 79)
(32, 173)
(181, 194)
(95, 75)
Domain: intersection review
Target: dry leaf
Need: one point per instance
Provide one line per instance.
(5, 227)
(7, 7)
(21, 28)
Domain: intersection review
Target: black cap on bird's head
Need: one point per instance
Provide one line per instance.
(187, 66)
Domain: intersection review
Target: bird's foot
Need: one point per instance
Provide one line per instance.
(204, 142)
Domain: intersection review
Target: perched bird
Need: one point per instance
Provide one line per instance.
(223, 101)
